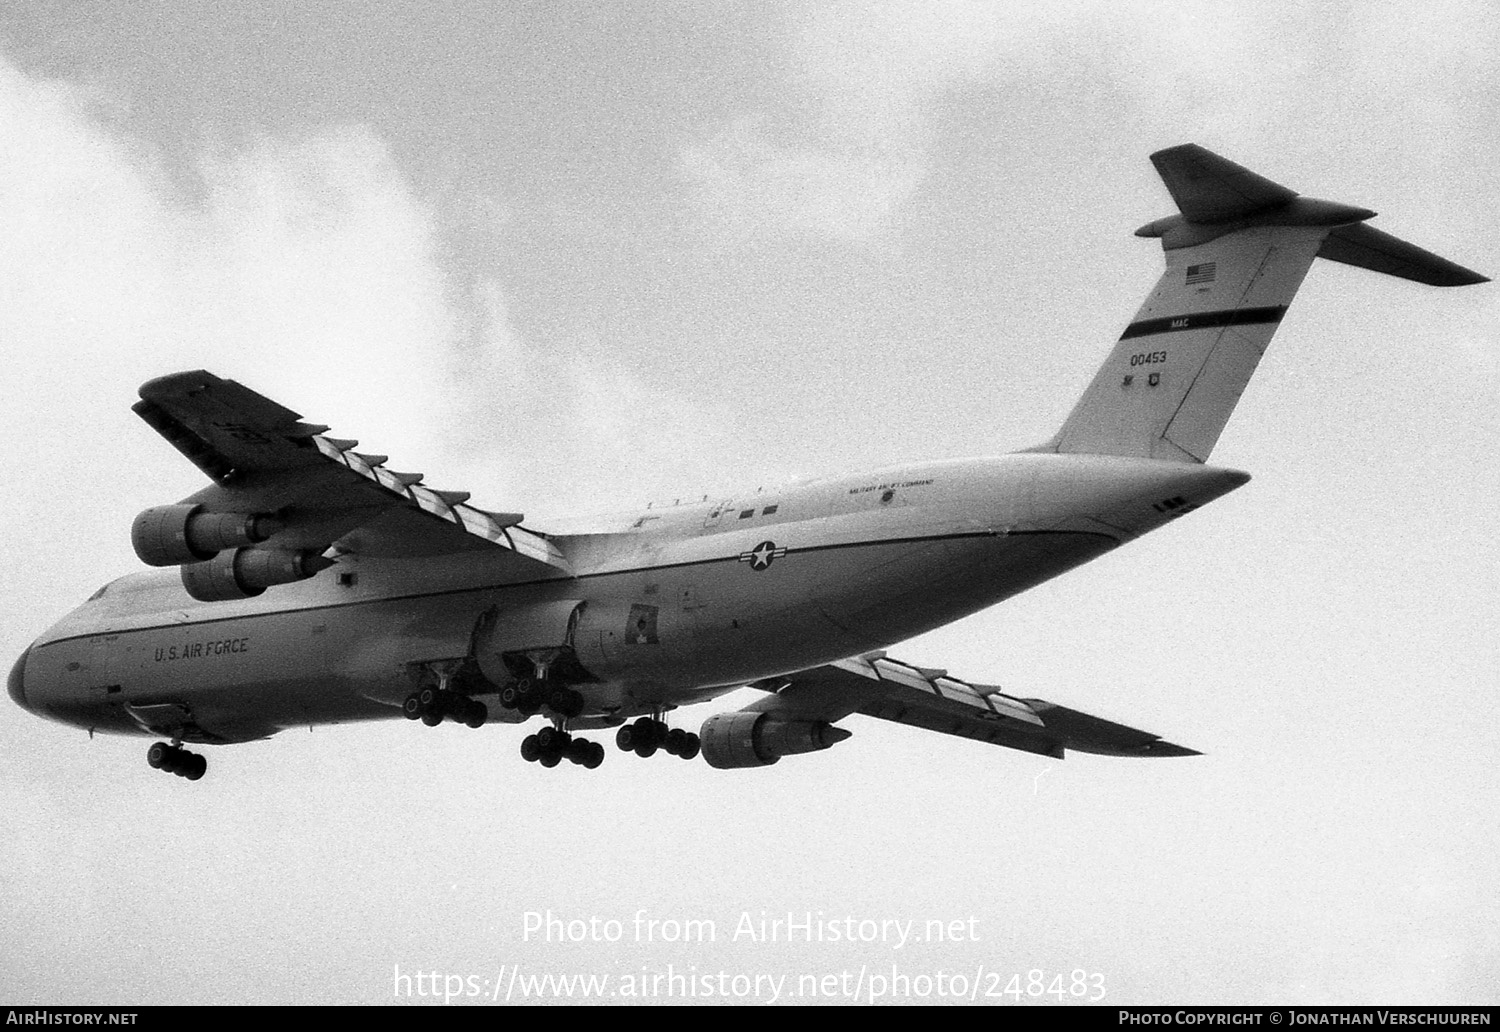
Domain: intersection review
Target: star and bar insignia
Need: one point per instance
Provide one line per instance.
(761, 555)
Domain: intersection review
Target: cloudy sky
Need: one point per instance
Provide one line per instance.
(574, 257)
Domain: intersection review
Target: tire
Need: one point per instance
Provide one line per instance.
(477, 714)
(158, 755)
(530, 750)
(693, 747)
(625, 738)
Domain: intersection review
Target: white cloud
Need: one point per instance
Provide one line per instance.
(752, 186)
(846, 142)
(308, 262)
(306, 269)
(569, 434)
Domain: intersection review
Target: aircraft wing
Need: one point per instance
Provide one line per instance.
(877, 686)
(323, 494)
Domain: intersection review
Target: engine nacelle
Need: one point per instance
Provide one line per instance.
(573, 640)
(750, 739)
(170, 535)
(246, 572)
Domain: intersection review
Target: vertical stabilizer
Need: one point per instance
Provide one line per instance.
(1235, 257)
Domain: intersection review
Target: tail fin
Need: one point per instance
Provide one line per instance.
(1235, 257)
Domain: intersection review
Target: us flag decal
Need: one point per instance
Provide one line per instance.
(1201, 273)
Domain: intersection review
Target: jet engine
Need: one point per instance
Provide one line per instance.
(170, 535)
(246, 572)
(751, 739)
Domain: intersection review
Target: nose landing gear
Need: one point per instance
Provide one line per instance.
(176, 760)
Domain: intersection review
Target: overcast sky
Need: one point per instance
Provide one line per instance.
(575, 257)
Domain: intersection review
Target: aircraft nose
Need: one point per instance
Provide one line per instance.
(17, 683)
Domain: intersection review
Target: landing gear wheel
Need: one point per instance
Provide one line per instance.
(477, 714)
(411, 707)
(550, 759)
(530, 750)
(432, 719)
(564, 701)
(645, 735)
(595, 756)
(176, 760)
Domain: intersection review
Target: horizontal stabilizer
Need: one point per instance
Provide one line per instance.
(1369, 248)
(1208, 188)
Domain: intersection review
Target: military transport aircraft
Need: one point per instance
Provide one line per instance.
(309, 583)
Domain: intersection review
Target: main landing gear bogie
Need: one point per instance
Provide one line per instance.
(646, 735)
(432, 705)
(176, 760)
(550, 746)
(527, 696)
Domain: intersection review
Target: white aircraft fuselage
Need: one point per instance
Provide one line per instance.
(836, 567)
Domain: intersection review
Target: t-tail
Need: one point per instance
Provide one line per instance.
(1235, 257)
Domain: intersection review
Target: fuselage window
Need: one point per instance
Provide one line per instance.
(769, 510)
